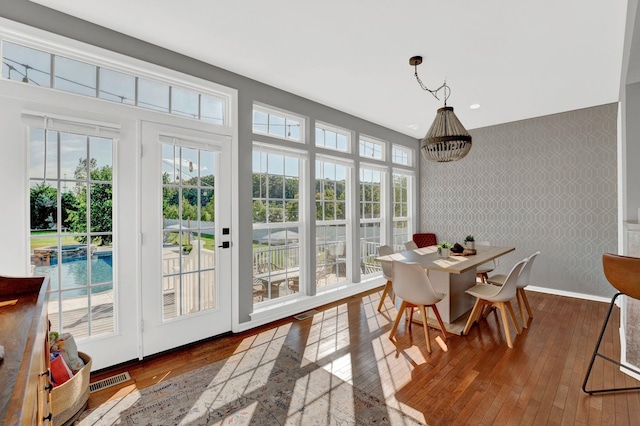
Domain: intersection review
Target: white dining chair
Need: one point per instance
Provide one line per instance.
(482, 271)
(523, 281)
(498, 296)
(387, 272)
(410, 245)
(412, 286)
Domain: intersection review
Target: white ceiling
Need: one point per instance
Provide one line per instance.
(516, 59)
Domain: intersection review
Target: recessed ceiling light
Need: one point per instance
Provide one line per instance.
(474, 106)
(413, 126)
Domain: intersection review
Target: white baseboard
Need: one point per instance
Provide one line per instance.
(569, 294)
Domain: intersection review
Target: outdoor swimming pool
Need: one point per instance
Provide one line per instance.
(73, 272)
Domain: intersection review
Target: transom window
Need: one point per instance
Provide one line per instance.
(40, 68)
(276, 123)
(331, 138)
(371, 149)
(401, 155)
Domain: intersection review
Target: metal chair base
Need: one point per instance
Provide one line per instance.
(596, 353)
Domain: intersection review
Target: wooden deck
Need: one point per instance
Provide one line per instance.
(479, 380)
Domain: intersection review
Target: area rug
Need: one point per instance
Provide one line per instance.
(267, 385)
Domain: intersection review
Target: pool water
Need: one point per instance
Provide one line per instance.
(74, 273)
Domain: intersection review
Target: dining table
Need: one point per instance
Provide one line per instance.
(452, 275)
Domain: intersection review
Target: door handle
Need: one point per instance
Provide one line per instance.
(225, 244)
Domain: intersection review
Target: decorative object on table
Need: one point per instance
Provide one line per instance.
(447, 139)
(470, 242)
(1, 352)
(443, 249)
(457, 249)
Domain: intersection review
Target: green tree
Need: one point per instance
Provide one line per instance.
(100, 202)
(44, 199)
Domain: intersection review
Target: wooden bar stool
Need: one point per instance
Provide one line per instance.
(623, 273)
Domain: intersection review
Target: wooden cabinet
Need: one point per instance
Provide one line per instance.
(24, 374)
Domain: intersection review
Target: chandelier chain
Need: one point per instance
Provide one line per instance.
(444, 87)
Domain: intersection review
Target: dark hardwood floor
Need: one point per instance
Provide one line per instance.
(479, 380)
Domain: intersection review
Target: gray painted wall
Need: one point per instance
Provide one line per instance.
(545, 184)
(249, 91)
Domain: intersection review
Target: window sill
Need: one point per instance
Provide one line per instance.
(293, 305)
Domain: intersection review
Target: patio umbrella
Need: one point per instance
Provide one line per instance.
(280, 237)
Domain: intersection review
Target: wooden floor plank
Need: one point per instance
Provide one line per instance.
(479, 380)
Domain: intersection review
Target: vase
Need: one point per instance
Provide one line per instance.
(443, 252)
(471, 245)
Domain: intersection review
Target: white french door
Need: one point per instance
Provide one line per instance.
(186, 215)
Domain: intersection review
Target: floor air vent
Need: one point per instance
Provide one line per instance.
(109, 381)
(306, 315)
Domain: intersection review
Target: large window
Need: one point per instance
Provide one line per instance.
(331, 221)
(371, 223)
(276, 222)
(71, 208)
(401, 182)
(44, 69)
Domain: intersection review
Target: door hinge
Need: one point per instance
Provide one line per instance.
(141, 150)
(141, 325)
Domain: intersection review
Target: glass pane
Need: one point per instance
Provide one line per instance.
(75, 76)
(101, 158)
(101, 207)
(170, 293)
(208, 290)
(212, 109)
(27, 65)
(43, 206)
(117, 87)
(293, 129)
(169, 162)
(291, 211)
(259, 211)
(77, 209)
(73, 156)
(207, 209)
(276, 125)
(319, 137)
(70, 203)
(102, 317)
(342, 142)
(75, 313)
(276, 213)
(189, 166)
(184, 102)
(331, 140)
(260, 122)
(153, 95)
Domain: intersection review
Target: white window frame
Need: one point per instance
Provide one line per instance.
(338, 131)
(269, 110)
(376, 142)
(404, 150)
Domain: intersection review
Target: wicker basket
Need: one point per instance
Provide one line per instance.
(70, 398)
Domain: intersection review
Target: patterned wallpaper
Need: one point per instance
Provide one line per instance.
(547, 184)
